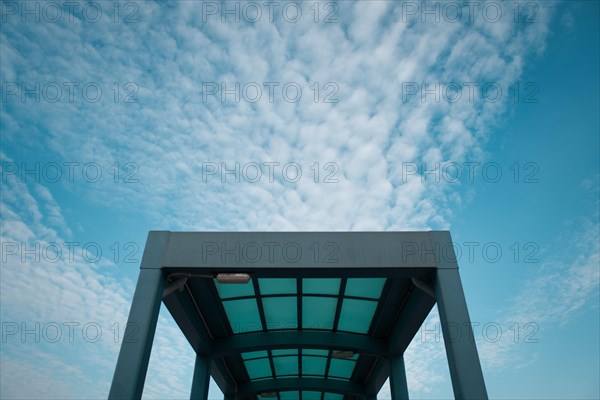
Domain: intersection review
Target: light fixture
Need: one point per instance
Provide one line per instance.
(233, 278)
(346, 354)
(177, 284)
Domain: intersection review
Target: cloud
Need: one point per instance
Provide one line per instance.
(354, 123)
(364, 61)
(565, 286)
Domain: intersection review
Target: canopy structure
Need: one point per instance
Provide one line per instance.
(299, 315)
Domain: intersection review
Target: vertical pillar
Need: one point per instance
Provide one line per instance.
(461, 350)
(132, 364)
(201, 379)
(398, 384)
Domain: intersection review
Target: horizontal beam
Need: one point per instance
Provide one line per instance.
(296, 339)
(306, 272)
(276, 250)
(316, 384)
(414, 311)
(184, 312)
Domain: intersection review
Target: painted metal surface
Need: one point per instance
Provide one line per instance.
(418, 268)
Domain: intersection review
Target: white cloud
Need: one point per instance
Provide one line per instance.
(367, 59)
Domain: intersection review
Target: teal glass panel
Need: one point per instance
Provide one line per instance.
(321, 286)
(289, 395)
(356, 315)
(364, 287)
(286, 365)
(254, 354)
(259, 368)
(314, 365)
(277, 285)
(341, 368)
(229, 290)
(285, 352)
(315, 352)
(310, 395)
(318, 312)
(243, 315)
(333, 396)
(281, 312)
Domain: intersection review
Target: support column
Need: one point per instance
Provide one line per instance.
(132, 365)
(463, 360)
(201, 379)
(398, 385)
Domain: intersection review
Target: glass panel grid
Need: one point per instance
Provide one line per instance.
(365, 287)
(286, 365)
(259, 368)
(314, 365)
(356, 315)
(277, 286)
(340, 368)
(229, 290)
(254, 354)
(311, 395)
(315, 352)
(289, 395)
(318, 312)
(284, 352)
(281, 312)
(243, 315)
(321, 286)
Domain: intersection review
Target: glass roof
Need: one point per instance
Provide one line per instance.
(293, 363)
(274, 304)
(346, 305)
(299, 328)
(306, 395)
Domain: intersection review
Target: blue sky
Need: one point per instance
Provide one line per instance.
(367, 90)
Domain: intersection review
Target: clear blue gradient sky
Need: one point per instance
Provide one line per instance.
(120, 118)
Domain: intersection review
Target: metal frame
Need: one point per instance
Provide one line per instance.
(426, 259)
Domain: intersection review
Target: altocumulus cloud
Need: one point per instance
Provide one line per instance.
(354, 112)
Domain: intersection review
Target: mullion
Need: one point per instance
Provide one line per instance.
(221, 310)
(266, 296)
(299, 302)
(338, 311)
(272, 364)
(299, 320)
(261, 310)
(380, 303)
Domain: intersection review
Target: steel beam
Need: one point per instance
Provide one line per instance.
(296, 339)
(340, 251)
(312, 384)
(416, 306)
(463, 360)
(201, 379)
(398, 385)
(132, 364)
